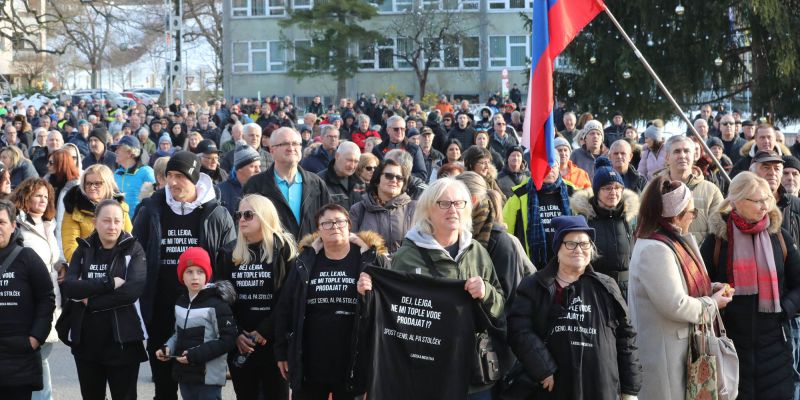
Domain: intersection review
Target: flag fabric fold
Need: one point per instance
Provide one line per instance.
(555, 23)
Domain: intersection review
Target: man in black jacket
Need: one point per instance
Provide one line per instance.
(184, 214)
(620, 155)
(339, 177)
(396, 128)
(27, 302)
(296, 193)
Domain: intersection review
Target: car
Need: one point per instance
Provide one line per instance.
(102, 96)
(147, 99)
(138, 97)
(152, 92)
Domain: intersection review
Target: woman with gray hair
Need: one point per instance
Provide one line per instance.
(654, 151)
(440, 244)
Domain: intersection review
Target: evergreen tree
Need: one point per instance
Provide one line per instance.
(332, 26)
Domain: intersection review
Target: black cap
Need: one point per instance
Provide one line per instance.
(186, 163)
(763, 156)
(130, 141)
(748, 122)
(207, 146)
(791, 162)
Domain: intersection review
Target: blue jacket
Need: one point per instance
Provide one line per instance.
(317, 161)
(230, 194)
(130, 183)
(81, 142)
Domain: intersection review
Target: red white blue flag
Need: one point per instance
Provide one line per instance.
(555, 24)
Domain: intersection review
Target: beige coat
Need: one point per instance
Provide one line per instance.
(661, 311)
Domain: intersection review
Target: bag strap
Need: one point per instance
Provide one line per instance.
(782, 241)
(10, 259)
(721, 325)
(717, 247)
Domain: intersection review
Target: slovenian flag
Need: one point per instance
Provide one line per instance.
(555, 24)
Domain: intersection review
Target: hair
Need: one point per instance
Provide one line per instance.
(421, 220)
(743, 185)
(764, 126)
(364, 160)
(402, 157)
(652, 205)
(474, 154)
(456, 142)
(677, 139)
(478, 133)
(65, 168)
(25, 190)
(348, 147)
(10, 208)
(363, 117)
(106, 203)
(394, 118)
(326, 128)
(135, 151)
(451, 169)
(372, 187)
(109, 184)
(271, 230)
(585, 117)
(15, 154)
(160, 167)
(478, 188)
(331, 207)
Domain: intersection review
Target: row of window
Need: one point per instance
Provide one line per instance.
(504, 52)
(278, 8)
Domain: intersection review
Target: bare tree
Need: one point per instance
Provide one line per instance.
(204, 22)
(30, 66)
(427, 38)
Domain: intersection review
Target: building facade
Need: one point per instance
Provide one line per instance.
(256, 57)
(20, 65)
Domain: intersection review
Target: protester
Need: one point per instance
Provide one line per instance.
(5, 182)
(765, 140)
(27, 317)
(732, 142)
(554, 311)
(669, 288)
(96, 184)
(132, 173)
(610, 209)
(791, 175)
(593, 147)
(501, 139)
(185, 213)
(396, 127)
(98, 141)
(433, 158)
(453, 150)
(205, 330)
(654, 153)
(21, 168)
(463, 131)
(317, 329)
(620, 154)
(749, 251)
(363, 132)
(569, 171)
(103, 284)
(247, 163)
(515, 171)
(451, 170)
(208, 154)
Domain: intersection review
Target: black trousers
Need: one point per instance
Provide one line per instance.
(16, 392)
(159, 330)
(93, 377)
(316, 391)
(258, 381)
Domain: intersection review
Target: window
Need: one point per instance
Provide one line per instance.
(382, 5)
(366, 55)
(470, 52)
(507, 4)
(403, 5)
(508, 51)
(247, 8)
(299, 46)
(460, 4)
(404, 46)
(259, 56)
(277, 7)
(302, 4)
(456, 52)
(386, 54)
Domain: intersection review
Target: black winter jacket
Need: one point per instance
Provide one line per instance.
(634, 180)
(465, 136)
(342, 191)
(20, 365)
(129, 264)
(790, 207)
(418, 168)
(291, 310)
(315, 195)
(533, 316)
(230, 194)
(217, 230)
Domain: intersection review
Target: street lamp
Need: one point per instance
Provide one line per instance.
(680, 10)
(718, 62)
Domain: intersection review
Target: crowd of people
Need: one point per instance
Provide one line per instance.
(198, 237)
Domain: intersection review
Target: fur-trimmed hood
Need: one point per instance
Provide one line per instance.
(580, 204)
(365, 240)
(749, 149)
(718, 226)
(225, 290)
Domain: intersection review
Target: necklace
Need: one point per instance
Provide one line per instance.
(564, 281)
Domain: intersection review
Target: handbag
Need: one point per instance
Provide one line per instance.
(701, 366)
(486, 366)
(722, 348)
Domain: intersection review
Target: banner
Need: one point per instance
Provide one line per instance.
(423, 338)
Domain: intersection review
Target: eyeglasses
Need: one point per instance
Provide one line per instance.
(397, 129)
(51, 162)
(727, 123)
(484, 163)
(287, 144)
(370, 168)
(611, 188)
(446, 204)
(95, 185)
(392, 177)
(328, 225)
(570, 245)
(248, 215)
(211, 158)
(761, 202)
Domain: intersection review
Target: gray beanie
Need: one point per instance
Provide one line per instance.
(654, 132)
(592, 125)
(244, 155)
(560, 141)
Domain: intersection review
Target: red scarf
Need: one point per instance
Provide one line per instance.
(698, 284)
(751, 262)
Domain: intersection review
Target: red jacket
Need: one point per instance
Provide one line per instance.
(360, 138)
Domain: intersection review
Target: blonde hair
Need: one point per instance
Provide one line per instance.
(742, 186)
(105, 174)
(426, 203)
(271, 229)
(15, 154)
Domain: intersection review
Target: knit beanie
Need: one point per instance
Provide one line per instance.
(604, 174)
(186, 163)
(654, 132)
(592, 125)
(791, 162)
(165, 138)
(194, 257)
(714, 141)
(560, 141)
(244, 155)
(100, 134)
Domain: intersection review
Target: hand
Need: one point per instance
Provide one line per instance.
(244, 344)
(283, 366)
(85, 302)
(475, 287)
(723, 298)
(34, 342)
(118, 282)
(548, 383)
(260, 340)
(364, 283)
(163, 354)
(62, 272)
(183, 358)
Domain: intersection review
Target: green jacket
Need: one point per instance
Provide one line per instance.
(472, 260)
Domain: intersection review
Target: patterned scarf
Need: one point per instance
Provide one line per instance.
(537, 239)
(698, 284)
(751, 262)
(482, 222)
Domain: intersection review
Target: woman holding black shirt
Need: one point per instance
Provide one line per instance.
(257, 264)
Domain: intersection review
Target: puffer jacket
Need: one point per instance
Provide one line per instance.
(652, 162)
(47, 249)
(507, 180)
(765, 352)
(130, 183)
(613, 231)
(78, 214)
(206, 330)
(128, 263)
(532, 318)
(391, 221)
(289, 314)
(707, 198)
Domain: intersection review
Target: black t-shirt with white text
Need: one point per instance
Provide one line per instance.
(255, 290)
(330, 312)
(178, 232)
(549, 207)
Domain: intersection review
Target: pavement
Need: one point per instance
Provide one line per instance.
(65, 378)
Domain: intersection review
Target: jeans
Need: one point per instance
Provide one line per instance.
(200, 392)
(47, 391)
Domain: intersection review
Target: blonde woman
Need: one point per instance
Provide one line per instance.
(257, 264)
(21, 168)
(97, 184)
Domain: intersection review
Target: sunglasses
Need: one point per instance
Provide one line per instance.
(727, 123)
(370, 168)
(392, 177)
(248, 215)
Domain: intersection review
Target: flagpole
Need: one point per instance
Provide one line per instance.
(664, 89)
